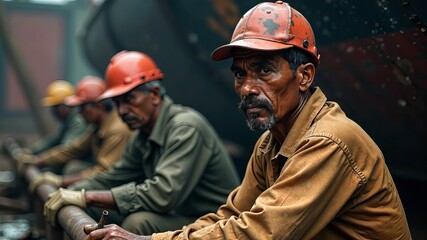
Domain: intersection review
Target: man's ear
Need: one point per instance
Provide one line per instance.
(155, 95)
(305, 75)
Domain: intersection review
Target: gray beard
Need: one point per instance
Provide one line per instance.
(256, 125)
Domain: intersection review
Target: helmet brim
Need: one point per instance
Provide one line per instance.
(227, 51)
(73, 101)
(49, 101)
(117, 91)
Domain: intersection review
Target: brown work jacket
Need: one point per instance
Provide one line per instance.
(104, 145)
(327, 180)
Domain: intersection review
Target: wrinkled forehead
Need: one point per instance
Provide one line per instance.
(248, 55)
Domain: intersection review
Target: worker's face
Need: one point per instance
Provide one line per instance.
(266, 87)
(91, 112)
(137, 108)
(61, 111)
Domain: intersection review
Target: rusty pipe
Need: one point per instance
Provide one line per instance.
(72, 219)
(92, 227)
(30, 172)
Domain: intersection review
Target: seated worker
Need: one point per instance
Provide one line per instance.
(174, 170)
(71, 124)
(104, 144)
(314, 173)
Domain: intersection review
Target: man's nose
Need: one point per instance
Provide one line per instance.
(249, 87)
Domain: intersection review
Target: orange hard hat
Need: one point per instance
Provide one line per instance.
(127, 70)
(57, 92)
(88, 89)
(269, 27)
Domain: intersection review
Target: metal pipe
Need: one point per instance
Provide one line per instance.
(89, 228)
(72, 219)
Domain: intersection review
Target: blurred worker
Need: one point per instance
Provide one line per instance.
(71, 124)
(314, 173)
(103, 145)
(173, 171)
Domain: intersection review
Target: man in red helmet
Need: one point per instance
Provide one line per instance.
(314, 173)
(174, 170)
(94, 152)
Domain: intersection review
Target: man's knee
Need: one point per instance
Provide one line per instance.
(139, 223)
(148, 223)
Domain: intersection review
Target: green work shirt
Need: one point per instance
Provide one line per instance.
(181, 167)
(72, 128)
(327, 180)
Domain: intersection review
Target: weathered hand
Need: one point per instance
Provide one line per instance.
(114, 232)
(46, 177)
(24, 156)
(61, 198)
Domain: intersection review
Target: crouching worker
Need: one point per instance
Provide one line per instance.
(174, 170)
(100, 147)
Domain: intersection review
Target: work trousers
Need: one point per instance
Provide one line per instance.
(143, 222)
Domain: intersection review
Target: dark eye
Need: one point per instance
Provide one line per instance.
(265, 70)
(238, 74)
(129, 98)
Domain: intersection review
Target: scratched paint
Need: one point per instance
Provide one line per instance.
(271, 27)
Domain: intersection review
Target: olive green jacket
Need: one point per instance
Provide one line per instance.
(72, 128)
(181, 167)
(334, 184)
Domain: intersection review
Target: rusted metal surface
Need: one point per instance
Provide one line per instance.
(71, 219)
(92, 227)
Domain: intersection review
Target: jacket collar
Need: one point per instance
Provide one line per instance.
(158, 135)
(303, 123)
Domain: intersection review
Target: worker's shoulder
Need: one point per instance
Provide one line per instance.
(180, 114)
(333, 123)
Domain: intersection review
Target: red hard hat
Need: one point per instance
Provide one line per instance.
(270, 27)
(128, 69)
(87, 90)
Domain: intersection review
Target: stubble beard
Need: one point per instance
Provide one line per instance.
(253, 121)
(255, 125)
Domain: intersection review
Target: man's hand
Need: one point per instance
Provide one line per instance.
(46, 177)
(61, 198)
(114, 232)
(24, 156)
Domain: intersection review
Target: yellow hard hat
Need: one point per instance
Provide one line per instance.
(57, 92)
